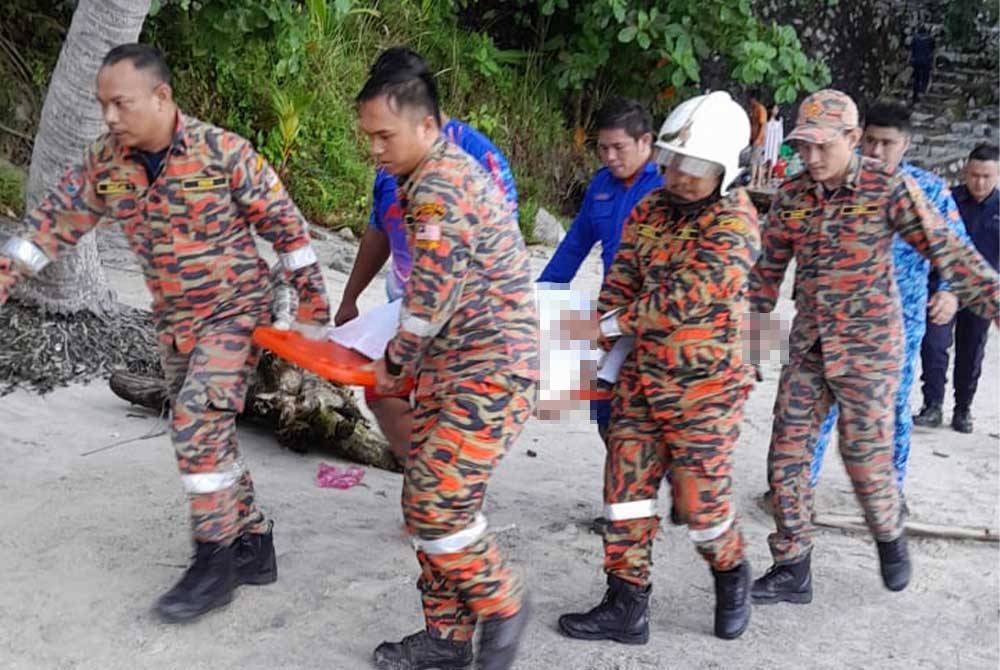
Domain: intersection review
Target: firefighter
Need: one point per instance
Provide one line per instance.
(677, 285)
(188, 196)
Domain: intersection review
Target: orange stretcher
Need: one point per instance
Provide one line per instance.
(327, 359)
(346, 366)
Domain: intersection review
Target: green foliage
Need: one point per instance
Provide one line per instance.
(633, 45)
(966, 22)
(284, 74)
(13, 182)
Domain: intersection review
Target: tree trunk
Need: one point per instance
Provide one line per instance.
(305, 412)
(71, 119)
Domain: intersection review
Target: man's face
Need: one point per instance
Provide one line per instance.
(886, 145)
(400, 137)
(829, 162)
(623, 155)
(137, 109)
(981, 178)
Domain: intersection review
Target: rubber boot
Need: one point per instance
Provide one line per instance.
(622, 616)
(206, 585)
(499, 639)
(894, 562)
(253, 555)
(421, 651)
(786, 582)
(732, 601)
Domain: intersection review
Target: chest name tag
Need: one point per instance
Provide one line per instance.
(114, 187)
(203, 183)
(687, 233)
(860, 210)
(648, 231)
(797, 214)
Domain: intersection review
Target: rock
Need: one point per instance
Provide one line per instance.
(318, 233)
(547, 229)
(347, 234)
(343, 260)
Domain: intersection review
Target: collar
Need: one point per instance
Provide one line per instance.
(409, 182)
(649, 167)
(850, 179)
(179, 143)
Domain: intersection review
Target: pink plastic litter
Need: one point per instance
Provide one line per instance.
(332, 477)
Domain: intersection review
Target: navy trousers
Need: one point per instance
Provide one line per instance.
(969, 333)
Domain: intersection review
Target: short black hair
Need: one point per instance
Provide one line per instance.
(889, 114)
(625, 113)
(402, 75)
(985, 152)
(142, 57)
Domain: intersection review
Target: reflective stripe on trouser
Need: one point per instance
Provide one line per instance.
(208, 386)
(865, 439)
(687, 429)
(914, 330)
(460, 433)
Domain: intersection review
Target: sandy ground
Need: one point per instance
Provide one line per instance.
(88, 542)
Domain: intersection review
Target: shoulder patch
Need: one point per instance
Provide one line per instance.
(733, 224)
(428, 211)
(260, 163)
(114, 186)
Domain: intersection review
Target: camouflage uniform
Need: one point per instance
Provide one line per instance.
(191, 230)
(846, 341)
(469, 334)
(679, 281)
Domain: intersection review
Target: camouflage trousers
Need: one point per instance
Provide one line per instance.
(684, 429)
(460, 433)
(207, 387)
(866, 427)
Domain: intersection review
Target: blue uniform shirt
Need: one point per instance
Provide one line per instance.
(982, 221)
(606, 205)
(387, 215)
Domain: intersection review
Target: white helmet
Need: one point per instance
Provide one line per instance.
(710, 128)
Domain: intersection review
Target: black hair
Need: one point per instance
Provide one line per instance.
(402, 75)
(625, 113)
(889, 114)
(985, 152)
(142, 57)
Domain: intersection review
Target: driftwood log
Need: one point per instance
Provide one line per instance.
(305, 412)
(915, 528)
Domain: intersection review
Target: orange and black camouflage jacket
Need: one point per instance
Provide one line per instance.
(679, 284)
(845, 291)
(469, 309)
(190, 228)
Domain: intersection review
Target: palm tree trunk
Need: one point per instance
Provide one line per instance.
(71, 119)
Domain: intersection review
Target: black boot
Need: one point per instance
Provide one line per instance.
(732, 601)
(622, 616)
(961, 420)
(499, 638)
(788, 582)
(253, 555)
(420, 651)
(929, 416)
(207, 584)
(894, 561)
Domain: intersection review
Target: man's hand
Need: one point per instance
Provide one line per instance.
(348, 311)
(385, 383)
(942, 307)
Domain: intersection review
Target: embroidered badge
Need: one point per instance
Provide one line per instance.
(114, 186)
(860, 210)
(646, 230)
(687, 233)
(428, 235)
(203, 183)
(736, 225)
(428, 211)
(797, 214)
